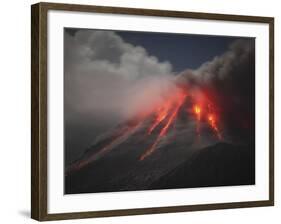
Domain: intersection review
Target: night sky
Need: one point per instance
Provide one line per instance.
(182, 50)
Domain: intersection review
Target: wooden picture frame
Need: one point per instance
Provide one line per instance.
(39, 108)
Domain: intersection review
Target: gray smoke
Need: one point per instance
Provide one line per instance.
(223, 67)
(107, 81)
(229, 79)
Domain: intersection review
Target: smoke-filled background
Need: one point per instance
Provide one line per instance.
(107, 80)
(157, 111)
(110, 76)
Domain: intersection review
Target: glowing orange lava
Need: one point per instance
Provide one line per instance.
(161, 115)
(204, 111)
(171, 116)
(197, 110)
(213, 123)
(119, 138)
(151, 149)
(167, 114)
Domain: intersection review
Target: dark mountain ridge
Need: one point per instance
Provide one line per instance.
(222, 164)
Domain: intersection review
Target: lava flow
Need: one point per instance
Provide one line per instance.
(167, 114)
(162, 113)
(196, 104)
(213, 123)
(197, 111)
(120, 137)
(171, 116)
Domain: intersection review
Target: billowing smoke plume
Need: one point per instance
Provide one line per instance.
(100, 66)
(106, 82)
(229, 79)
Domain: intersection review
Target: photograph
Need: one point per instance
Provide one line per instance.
(140, 111)
(157, 110)
(135, 112)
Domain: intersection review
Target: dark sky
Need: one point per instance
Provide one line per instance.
(182, 50)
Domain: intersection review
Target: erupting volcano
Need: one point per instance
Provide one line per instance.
(194, 105)
(140, 116)
(166, 114)
(142, 152)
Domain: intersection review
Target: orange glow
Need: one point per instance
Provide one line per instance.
(197, 110)
(213, 123)
(167, 114)
(211, 118)
(161, 115)
(200, 108)
(151, 149)
(122, 136)
(171, 115)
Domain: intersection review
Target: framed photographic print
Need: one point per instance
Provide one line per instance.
(138, 111)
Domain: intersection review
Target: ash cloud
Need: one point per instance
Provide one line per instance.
(106, 80)
(224, 67)
(230, 80)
